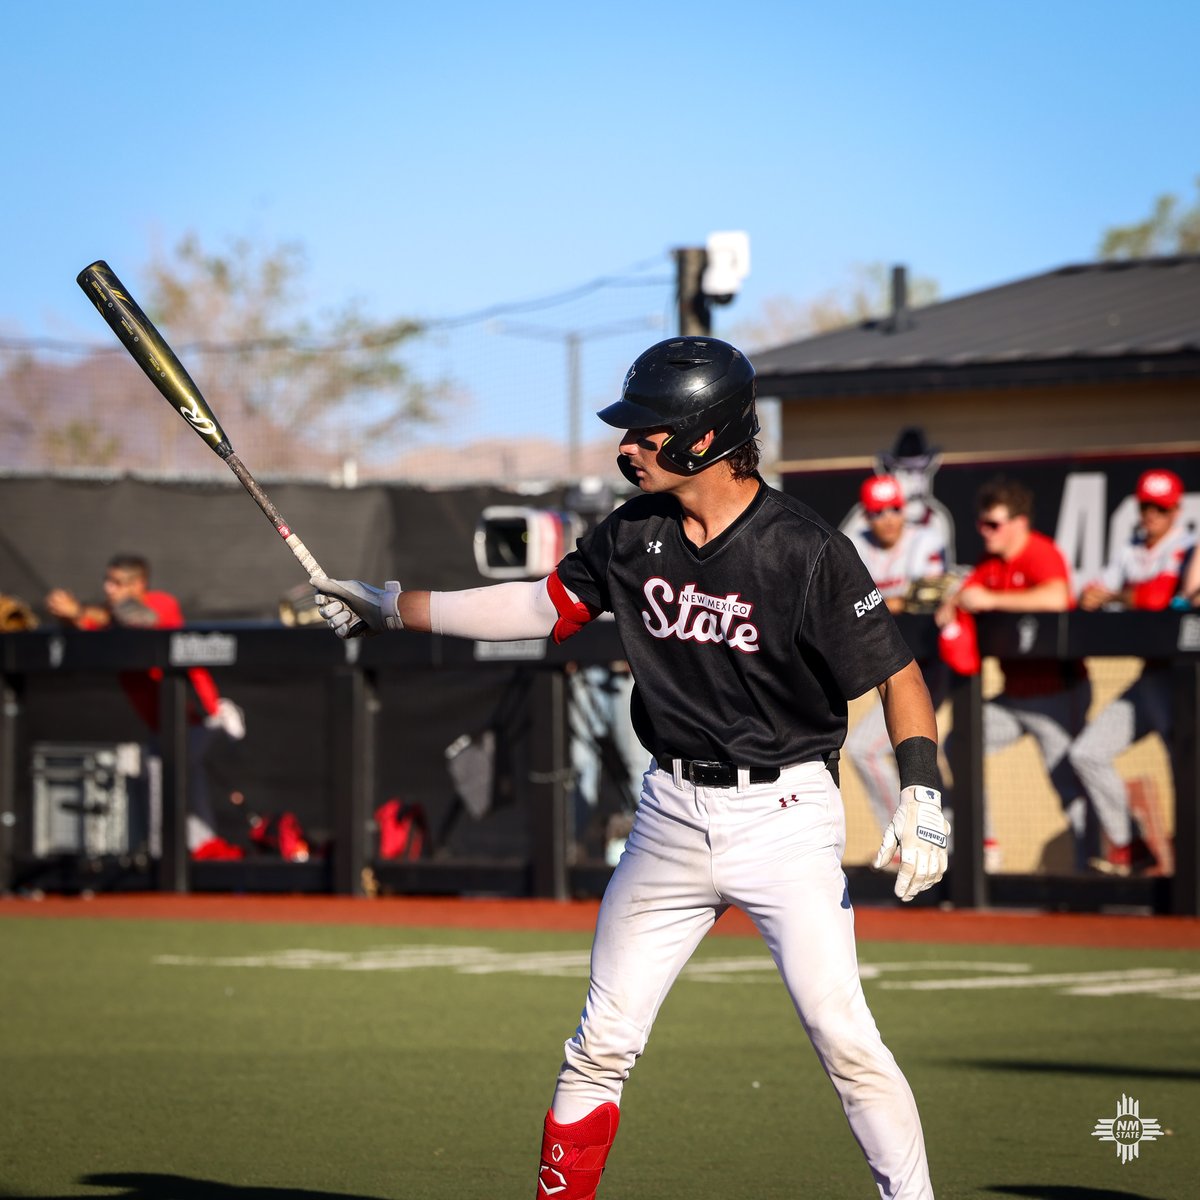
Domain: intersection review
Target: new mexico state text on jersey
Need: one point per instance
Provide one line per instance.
(700, 617)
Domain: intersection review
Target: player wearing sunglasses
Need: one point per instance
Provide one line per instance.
(1022, 570)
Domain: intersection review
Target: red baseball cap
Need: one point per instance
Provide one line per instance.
(880, 492)
(1164, 488)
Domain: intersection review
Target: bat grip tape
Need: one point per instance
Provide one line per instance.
(300, 550)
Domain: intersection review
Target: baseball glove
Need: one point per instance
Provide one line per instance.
(133, 614)
(15, 615)
(924, 595)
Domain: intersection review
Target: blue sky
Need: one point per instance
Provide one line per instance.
(438, 159)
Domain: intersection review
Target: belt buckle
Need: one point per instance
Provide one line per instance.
(707, 773)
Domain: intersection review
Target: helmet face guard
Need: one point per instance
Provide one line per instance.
(690, 386)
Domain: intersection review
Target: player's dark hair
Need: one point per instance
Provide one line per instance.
(743, 462)
(130, 562)
(1016, 497)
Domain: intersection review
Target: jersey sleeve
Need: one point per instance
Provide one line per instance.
(167, 613)
(1156, 592)
(205, 688)
(846, 623)
(584, 572)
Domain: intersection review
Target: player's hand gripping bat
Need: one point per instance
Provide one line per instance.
(151, 352)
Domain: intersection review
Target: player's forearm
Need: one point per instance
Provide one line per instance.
(1051, 596)
(413, 608)
(1095, 596)
(907, 708)
(62, 604)
(1189, 587)
(501, 612)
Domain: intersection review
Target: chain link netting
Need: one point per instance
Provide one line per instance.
(507, 394)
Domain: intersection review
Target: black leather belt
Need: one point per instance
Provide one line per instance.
(716, 774)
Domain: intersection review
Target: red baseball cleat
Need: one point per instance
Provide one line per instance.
(573, 1156)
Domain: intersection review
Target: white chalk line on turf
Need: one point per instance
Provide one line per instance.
(947, 975)
(933, 975)
(480, 960)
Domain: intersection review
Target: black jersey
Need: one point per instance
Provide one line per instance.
(746, 649)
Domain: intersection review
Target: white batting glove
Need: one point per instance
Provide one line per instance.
(921, 833)
(229, 718)
(352, 608)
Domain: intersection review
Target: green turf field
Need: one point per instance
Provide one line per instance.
(180, 1061)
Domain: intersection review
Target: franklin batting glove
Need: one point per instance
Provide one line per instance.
(356, 609)
(921, 833)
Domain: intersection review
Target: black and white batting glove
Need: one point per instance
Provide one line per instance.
(921, 833)
(352, 608)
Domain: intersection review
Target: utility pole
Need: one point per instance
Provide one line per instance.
(695, 312)
(573, 340)
(708, 275)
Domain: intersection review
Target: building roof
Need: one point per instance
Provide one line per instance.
(1113, 319)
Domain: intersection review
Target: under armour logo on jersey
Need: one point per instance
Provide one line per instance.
(788, 801)
(654, 547)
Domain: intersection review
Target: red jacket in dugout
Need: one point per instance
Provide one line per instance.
(1039, 561)
(142, 687)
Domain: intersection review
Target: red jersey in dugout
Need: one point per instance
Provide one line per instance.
(141, 687)
(1039, 562)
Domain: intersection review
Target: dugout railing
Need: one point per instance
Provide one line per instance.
(352, 675)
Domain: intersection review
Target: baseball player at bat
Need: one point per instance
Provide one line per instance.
(748, 623)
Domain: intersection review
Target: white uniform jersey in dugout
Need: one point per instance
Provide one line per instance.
(917, 554)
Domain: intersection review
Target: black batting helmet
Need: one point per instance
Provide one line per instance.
(689, 385)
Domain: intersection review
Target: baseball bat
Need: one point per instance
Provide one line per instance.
(150, 351)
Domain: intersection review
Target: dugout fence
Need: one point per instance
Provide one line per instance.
(484, 740)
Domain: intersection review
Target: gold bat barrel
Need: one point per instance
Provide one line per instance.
(151, 352)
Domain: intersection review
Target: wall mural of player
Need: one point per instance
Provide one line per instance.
(913, 463)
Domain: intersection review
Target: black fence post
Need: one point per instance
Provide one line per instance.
(967, 883)
(9, 710)
(354, 704)
(549, 783)
(1185, 763)
(173, 746)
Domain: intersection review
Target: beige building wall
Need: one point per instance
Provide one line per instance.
(1019, 423)
(1026, 815)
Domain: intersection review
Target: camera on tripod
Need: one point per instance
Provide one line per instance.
(523, 542)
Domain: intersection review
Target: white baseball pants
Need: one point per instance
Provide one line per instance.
(1053, 721)
(773, 850)
(1143, 708)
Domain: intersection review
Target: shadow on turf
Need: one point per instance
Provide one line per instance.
(1112, 1070)
(177, 1187)
(1041, 1191)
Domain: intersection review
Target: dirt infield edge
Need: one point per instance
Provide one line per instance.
(883, 924)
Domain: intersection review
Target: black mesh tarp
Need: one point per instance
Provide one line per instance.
(209, 544)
